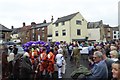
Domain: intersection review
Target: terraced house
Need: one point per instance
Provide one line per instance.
(70, 28)
(4, 33)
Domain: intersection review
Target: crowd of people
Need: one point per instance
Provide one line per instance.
(41, 61)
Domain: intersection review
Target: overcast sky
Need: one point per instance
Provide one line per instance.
(15, 12)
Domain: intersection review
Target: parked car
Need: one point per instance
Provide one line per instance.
(20, 49)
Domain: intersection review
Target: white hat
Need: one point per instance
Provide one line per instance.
(26, 54)
(60, 51)
(10, 57)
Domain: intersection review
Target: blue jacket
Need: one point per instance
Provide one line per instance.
(99, 71)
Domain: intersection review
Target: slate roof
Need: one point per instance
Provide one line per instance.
(65, 18)
(94, 24)
(4, 29)
(40, 25)
(106, 26)
(15, 30)
(115, 28)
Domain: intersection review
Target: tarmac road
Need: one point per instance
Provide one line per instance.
(70, 67)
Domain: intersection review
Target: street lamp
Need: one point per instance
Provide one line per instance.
(119, 18)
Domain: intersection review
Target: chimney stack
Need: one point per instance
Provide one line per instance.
(44, 21)
(12, 27)
(52, 19)
(23, 24)
(33, 24)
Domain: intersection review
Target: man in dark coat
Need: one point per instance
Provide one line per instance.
(26, 69)
(15, 49)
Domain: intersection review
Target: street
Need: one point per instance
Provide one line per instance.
(70, 67)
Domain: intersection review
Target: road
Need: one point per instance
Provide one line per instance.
(70, 67)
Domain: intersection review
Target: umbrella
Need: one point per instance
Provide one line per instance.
(57, 43)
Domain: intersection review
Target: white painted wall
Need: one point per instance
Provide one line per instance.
(94, 34)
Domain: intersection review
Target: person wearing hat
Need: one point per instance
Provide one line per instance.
(59, 62)
(10, 59)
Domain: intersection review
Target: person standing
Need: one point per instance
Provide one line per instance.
(26, 68)
(116, 70)
(76, 55)
(59, 62)
(10, 59)
(15, 49)
(99, 70)
(43, 62)
(109, 62)
(51, 61)
(114, 55)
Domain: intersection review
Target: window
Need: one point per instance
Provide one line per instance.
(2, 35)
(63, 23)
(78, 22)
(38, 37)
(43, 29)
(108, 29)
(114, 32)
(56, 33)
(56, 24)
(63, 32)
(78, 32)
(38, 29)
(43, 35)
(33, 36)
(114, 36)
(33, 31)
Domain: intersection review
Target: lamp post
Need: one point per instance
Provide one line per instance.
(119, 18)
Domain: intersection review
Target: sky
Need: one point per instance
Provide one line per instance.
(15, 12)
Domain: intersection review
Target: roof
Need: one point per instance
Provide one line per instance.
(65, 18)
(106, 26)
(96, 24)
(15, 30)
(40, 25)
(115, 28)
(4, 29)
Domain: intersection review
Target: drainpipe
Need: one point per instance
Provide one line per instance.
(70, 31)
